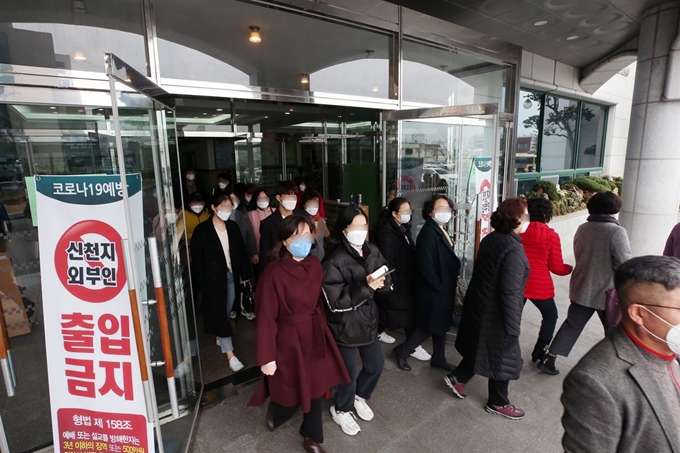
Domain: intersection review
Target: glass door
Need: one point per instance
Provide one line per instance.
(148, 141)
(434, 151)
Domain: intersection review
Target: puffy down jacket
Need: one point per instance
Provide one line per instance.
(492, 314)
(544, 252)
(352, 313)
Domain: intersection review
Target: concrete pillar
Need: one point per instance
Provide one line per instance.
(651, 187)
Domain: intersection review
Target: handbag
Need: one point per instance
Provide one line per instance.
(612, 308)
(248, 303)
(459, 298)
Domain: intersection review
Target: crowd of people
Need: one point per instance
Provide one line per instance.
(324, 298)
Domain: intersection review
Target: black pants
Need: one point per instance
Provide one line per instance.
(418, 337)
(577, 318)
(549, 314)
(312, 425)
(363, 385)
(498, 390)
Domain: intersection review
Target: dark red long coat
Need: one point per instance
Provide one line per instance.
(292, 330)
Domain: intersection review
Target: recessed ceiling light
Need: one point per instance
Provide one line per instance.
(375, 89)
(219, 110)
(79, 56)
(571, 38)
(290, 110)
(55, 112)
(81, 111)
(53, 108)
(287, 113)
(540, 23)
(266, 116)
(205, 113)
(255, 34)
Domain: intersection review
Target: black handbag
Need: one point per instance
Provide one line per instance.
(248, 302)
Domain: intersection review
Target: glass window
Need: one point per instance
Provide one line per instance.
(524, 186)
(527, 132)
(559, 133)
(591, 136)
(439, 77)
(320, 56)
(65, 35)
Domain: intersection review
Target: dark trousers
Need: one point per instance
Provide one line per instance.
(418, 337)
(577, 318)
(312, 424)
(549, 314)
(364, 384)
(498, 390)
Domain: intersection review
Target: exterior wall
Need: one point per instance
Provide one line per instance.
(543, 74)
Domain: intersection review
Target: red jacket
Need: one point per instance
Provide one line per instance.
(544, 251)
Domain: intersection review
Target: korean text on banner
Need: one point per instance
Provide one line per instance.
(96, 394)
(483, 188)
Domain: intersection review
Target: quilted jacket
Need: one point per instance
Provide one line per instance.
(544, 252)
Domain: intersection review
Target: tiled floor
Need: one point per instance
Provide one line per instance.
(416, 412)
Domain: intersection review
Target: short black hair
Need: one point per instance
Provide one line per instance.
(663, 270)
(219, 197)
(196, 196)
(286, 188)
(605, 203)
(310, 194)
(428, 207)
(540, 209)
(224, 175)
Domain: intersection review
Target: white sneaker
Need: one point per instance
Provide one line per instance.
(421, 354)
(363, 410)
(347, 422)
(235, 364)
(384, 337)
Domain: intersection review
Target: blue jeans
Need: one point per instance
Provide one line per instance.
(226, 343)
(372, 361)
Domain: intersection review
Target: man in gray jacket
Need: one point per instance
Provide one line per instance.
(624, 395)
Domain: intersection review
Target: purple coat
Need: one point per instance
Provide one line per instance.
(673, 243)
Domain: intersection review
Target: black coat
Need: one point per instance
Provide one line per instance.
(209, 268)
(269, 232)
(352, 314)
(397, 308)
(438, 269)
(492, 314)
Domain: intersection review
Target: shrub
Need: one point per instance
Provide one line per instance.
(548, 188)
(591, 184)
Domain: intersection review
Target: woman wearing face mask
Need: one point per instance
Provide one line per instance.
(305, 185)
(219, 260)
(258, 211)
(393, 238)
(248, 195)
(488, 336)
(600, 247)
(352, 313)
(223, 183)
(295, 349)
(197, 213)
(310, 203)
(438, 269)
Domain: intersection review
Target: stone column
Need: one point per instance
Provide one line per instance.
(651, 187)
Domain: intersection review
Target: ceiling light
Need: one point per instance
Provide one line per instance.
(305, 79)
(81, 111)
(287, 113)
(266, 116)
(52, 108)
(78, 6)
(527, 104)
(571, 38)
(255, 34)
(375, 89)
(369, 53)
(540, 23)
(290, 110)
(219, 110)
(55, 112)
(79, 56)
(205, 113)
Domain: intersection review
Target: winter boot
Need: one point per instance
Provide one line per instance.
(539, 350)
(547, 365)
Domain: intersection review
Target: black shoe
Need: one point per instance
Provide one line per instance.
(446, 366)
(547, 365)
(269, 418)
(540, 350)
(311, 446)
(402, 364)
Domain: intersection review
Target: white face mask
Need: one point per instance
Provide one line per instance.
(224, 215)
(263, 204)
(302, 187)
(289, 205)
(171, 217)
(672, 337)
(404, 218)
(197, 208)
(222, 185)
(191, 177)
(312, 210)
(357, 238)
(442, 217)
(248, 198)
